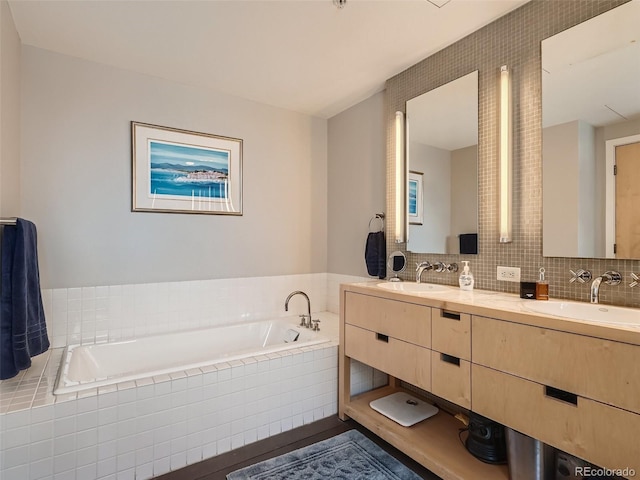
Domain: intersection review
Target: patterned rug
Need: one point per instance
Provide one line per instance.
(348, 456)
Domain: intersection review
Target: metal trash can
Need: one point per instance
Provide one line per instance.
(528, 458)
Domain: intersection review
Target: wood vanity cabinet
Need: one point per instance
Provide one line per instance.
(423, 346)
(578, 393)
(571, 385)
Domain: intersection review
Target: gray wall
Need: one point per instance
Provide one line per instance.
(9, 114)
(76, 180)
(356, 182)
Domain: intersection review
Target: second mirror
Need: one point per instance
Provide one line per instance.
(442, 156)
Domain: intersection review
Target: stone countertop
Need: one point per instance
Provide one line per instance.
(503, 306)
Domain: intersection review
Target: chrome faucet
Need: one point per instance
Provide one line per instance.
(420, 268)
(305, 319)
(610, 278)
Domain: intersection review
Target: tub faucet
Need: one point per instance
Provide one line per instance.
(420, 268)
(610, 278)
(306, 319)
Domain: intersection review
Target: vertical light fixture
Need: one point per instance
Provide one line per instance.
(400, 180)
(506, 162)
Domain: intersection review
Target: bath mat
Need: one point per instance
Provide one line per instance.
(348, 456)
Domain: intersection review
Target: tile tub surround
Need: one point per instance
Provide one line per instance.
(108, 313)
(513, 40)
(148, 427)
(152, 426)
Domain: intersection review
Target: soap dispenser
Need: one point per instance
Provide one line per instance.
(466, 277)
(542, 287)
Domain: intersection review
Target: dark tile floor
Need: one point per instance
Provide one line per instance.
(218, 467)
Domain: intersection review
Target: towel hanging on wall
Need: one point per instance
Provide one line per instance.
(23, 331)
(375, 252)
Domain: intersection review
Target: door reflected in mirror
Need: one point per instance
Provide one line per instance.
(442, 156)
(591, 131)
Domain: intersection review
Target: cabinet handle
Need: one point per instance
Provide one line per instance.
(450, 359)
(561, 395)
(451, 315)
(382, 338)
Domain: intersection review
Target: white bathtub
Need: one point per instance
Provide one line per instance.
(85, 367)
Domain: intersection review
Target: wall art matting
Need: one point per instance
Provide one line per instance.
(415, 202)
(180, 171)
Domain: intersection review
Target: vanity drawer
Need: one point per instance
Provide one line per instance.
(595, 368)
(451, 379)
(451, 333)
(402, 320)
(400, 359)
(599, 433)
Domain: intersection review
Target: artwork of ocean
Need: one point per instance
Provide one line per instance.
(186, 171)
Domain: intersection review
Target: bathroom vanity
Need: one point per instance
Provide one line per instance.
(572, 384)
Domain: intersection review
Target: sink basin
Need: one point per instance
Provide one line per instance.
(410, 287)
(586, 311)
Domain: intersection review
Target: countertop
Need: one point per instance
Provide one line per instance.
(503, 306)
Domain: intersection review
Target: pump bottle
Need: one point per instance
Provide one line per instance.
(466, 280)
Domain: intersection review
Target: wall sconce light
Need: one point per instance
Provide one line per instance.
(401, 179)
(506, 162)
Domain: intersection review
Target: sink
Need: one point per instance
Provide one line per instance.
(410, 287)
(586, 311)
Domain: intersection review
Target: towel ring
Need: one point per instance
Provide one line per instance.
(378, 216)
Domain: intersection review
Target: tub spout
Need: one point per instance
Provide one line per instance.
(306, 319)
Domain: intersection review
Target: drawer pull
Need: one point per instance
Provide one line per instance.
(451, 315)
(561, 395)
(450, 359)
(382, 338)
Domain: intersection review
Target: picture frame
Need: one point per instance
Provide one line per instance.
(181, 171)
(415, 198)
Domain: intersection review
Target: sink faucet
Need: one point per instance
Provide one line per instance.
(306, 319)
(610, 278)
(420, 268)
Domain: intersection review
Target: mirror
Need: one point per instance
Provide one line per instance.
(442, 157)
(591, 122)
(397, 263)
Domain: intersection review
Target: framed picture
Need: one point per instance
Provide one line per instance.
(415, 207)
(179, 171)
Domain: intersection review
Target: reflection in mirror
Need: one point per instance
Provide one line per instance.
(591, 122)
(397, 263)
(442, 153)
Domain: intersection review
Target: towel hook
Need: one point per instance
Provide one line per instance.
(378, 216)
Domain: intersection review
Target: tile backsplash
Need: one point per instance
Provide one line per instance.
(513, 40)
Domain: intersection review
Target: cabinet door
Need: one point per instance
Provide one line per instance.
(401, 320)
(599, 433)
(398, 358)
(451, 379)
(451, 333)
(595, 368)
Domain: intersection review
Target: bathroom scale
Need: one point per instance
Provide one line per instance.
(403, 408)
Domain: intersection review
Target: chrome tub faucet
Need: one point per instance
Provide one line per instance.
(305, 319)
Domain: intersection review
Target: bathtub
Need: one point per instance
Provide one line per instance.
(85, 367)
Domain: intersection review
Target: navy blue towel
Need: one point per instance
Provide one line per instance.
(375, 254)
(23, 331)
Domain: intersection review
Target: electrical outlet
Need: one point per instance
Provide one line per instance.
(509, 274)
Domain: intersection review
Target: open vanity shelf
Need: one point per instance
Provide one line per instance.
(434, 442)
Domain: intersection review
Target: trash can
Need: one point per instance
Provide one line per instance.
(528, 458)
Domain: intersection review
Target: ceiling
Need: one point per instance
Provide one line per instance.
(602, 57)
(303, 55)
